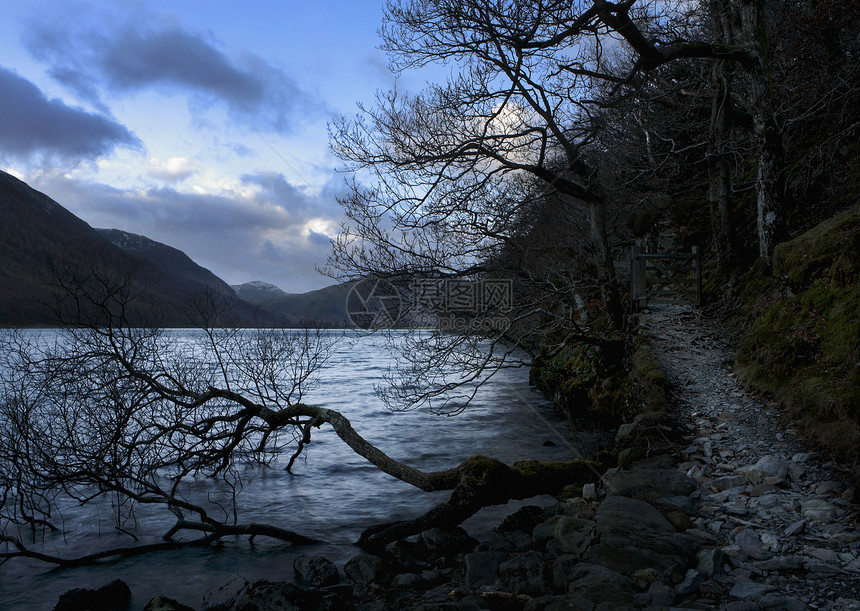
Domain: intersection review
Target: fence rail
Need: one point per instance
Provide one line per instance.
(665, 277)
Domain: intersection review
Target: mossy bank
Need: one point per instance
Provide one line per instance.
(802, 331)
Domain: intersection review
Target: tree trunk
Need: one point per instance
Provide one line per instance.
(770, 187)
(606, 274)
(719, 168)
(483, 482)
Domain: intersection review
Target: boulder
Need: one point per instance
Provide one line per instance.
(225, 596)
(316, 571)
(600, 584)
(525, 574)
(162, 603)
(633, 535)
(439, 542)
(818, 510)
(114, 596)
(649, 484)
(482, 568)
(264, 596)
(365, 569)
(767, 466)
(574, 535)
(524, 519)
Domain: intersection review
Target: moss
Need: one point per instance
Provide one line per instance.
(585, 381)
(804, 347)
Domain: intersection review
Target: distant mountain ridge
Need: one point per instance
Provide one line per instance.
(42, 243)
(323, 307)
(39, 239)
(258, 292)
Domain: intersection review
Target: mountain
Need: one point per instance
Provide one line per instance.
(171, 262)
(324, 307)
(42, 245)
(37, 238)
(258, 292)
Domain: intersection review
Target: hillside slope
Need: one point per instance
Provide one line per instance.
(802, 345)
(42, 243)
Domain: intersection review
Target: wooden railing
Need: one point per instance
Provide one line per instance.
(665, 278)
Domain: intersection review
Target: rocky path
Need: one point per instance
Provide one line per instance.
(780, 515)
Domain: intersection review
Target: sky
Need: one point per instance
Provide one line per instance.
(198, 123)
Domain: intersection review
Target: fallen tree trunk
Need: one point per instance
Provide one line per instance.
(484, 482)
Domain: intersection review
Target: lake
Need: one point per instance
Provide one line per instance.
(332, 494)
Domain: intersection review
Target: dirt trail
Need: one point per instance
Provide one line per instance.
(780, 512)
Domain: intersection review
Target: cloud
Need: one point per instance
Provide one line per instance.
(175, 169)
(34, 125)
(264, 229)
(121, 56)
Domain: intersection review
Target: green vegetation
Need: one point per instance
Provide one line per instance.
(803, 341)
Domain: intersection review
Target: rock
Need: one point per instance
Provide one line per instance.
(417, 581)
(818, 510)
(767, 466)
(709, 561)
(829, 487)
(265, 596)
(601, 584)
(561, 570)
(817, 567)
(750, 542)
(662, 595)
(741, 605)
(574, 535)
(403, 554)
(114, 596)
(735, 508)
(438, 542)
(746, 588)
(684, 503)
(692, 580)
(678, 519)
(778, 602)
(316, 571)
(630, 456)
(162, 603)
(633, 535)
(482, 568)
(226, 596)
(771, 542)
(555, 603)
(365, 569)
(542, 534)
(524, 574)
(649, 484)
(780, 563)
(589, 491)
(825, 555)
(508, 542)
(524, 519)
(796, 528)
(729, 481)
(577, 508)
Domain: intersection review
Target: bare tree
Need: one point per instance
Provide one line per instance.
(440, 173)
(103, 410)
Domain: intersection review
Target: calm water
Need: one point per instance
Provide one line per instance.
(332, 495)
